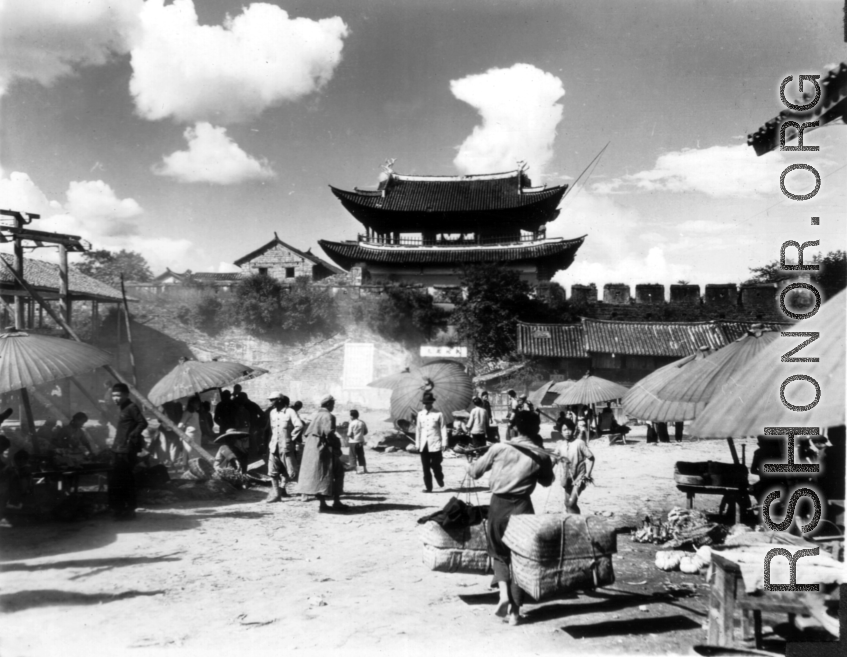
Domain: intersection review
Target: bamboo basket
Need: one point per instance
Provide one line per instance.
(462, 550)
(556, 554)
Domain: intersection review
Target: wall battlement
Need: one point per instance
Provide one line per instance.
(686, 302)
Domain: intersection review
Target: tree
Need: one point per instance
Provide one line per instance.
(256, 304)
(488, 316)
(107, 266)
(831, 278)
(406, 314)
(307, 308)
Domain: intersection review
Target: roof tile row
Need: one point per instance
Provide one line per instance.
(457, 195)
(629, 338)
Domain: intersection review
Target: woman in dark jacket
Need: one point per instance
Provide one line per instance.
(516, 467)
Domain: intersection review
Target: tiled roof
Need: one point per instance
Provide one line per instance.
(306, 255)
(651, 338)
(734, 330)
(44, 277)
(451, 193)
(347, 254)
(830, 107)
(557, 340)
(216, 276)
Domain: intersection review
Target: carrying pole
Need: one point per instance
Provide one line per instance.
(145, 403)
(128, 320)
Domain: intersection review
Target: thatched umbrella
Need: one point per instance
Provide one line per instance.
(190, 377)
(28, 360)
(750, 401)
(590, 390)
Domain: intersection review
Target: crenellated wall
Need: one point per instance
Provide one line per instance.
(717, 301)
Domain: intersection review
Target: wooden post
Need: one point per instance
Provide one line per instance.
(95, 318)
(145, 403)
(30, 422)
(64, 290)
(129, 333)
(19, 272)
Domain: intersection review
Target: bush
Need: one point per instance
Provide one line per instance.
(183, 314)
(208, 312)
(264, 306)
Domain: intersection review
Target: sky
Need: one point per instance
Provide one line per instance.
(192, 131)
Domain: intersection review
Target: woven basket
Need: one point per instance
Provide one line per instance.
(462, 550)
(556, 554)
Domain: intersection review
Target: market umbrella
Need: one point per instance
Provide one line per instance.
(27, 360)
(546, 395)
(703, 378)
(643, 402)
(750, 401)
(389, 382)
(590, 390)
(192, 376)
(448, 381)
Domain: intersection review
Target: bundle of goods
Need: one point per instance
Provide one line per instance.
(455, 540)
(687, 562)
(555, 554)
(710, 473)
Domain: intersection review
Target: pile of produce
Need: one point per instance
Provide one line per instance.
(682, 527)
(687, 562)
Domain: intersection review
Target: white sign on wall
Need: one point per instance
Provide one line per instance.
(443, 352)
(358, 365)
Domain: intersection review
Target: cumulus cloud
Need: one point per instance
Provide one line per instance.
(96, 213)
(718, 171)
(519, 112)
(632, 269)
(232, 72)
(212, 157)
(43, 40)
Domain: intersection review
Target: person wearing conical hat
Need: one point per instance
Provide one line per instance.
(431, 441)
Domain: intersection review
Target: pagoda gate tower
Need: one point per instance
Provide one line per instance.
(424, 229)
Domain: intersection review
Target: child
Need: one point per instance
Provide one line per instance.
(575, 467)
(356, 433)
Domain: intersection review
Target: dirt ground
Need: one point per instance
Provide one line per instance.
(224, 577)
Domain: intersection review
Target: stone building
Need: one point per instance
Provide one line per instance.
(285, 262)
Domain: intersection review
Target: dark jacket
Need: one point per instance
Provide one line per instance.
(131, 423)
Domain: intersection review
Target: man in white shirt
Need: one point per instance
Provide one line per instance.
(285, 426)
(478, 423)
(431, 441)
(356, 432)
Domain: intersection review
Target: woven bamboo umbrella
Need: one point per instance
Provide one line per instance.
(750, 400)
(643, 401)
(447, 380)
(191, 377)
(28, 360)
(590, 390)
